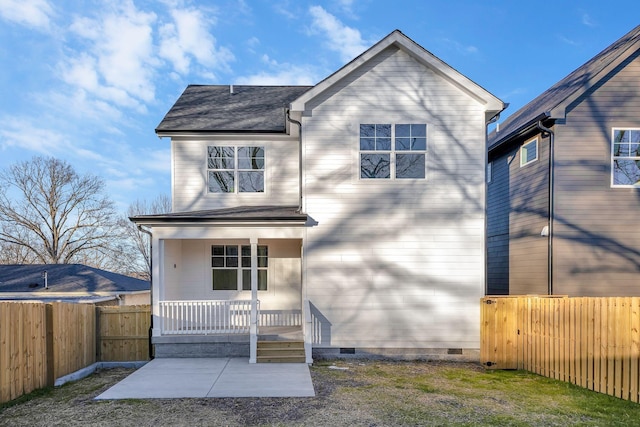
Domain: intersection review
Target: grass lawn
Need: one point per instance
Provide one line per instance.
(348, 393)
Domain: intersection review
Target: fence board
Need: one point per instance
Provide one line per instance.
(123, 333)
(634, 353)
(590, 342)
(41, 342)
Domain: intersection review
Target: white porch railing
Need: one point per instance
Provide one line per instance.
(205, 317)
(280, 318)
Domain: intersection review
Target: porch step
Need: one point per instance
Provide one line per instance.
(280, 352)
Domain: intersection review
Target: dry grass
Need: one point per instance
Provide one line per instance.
(366, 393)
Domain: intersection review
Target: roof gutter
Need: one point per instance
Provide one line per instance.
(299, 158)
(546, 131)
(530, 125)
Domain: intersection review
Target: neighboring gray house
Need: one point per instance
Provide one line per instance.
(567, 223)
(70, 283)
(352, 211)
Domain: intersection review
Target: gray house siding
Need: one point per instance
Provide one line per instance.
(517, 213)
(597, 238)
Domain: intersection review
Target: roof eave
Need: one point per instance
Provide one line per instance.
(530, 125)
(425, 57)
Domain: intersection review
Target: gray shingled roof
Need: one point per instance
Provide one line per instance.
(215, 109)
(235, 214)
(66, 278)
(574, 83)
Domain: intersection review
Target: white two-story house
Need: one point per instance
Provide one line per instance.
(350, 214)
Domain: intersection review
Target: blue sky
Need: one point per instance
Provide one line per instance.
(88, 81)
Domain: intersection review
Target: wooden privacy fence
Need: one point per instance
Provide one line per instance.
(41, 342)
(123, 333)
(590, 342)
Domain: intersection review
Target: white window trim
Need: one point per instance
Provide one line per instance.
(236, 191)
(239, 269)
(613, 133)
(392, 153)
(523, 162)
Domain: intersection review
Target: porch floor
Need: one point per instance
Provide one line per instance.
(213, 377)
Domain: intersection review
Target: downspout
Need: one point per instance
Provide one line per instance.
(150, 332)
(299, 158)
(547, 131)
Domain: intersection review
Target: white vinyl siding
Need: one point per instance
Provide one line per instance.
(189, 186)
(405, 257)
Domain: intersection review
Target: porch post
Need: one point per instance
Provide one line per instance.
(253, 330)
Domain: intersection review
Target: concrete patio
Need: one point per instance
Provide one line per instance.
(213, 377)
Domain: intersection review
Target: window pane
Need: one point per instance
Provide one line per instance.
(383, 144)
(419, 144)
(419, 130)
(263, 251)
(410, 166)
(217, 250)
(246, 280)
(225, 280)
(403, 131)
(220, 152)
(367, 131)
(246, 261)
(231, 250)
(621, 135)
(221, 182)
(403, 144)
(246, 250)
(251, 158)
(262, 280)
(383, 131)
(626, 172)
(367, 144)
(217, 261)
(374, 166)
(251, 182)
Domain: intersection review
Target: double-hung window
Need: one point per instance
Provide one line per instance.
(235, 169)
(231, 267)
(625, 158)
(393, 151)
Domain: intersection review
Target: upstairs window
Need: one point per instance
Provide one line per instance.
(235, 169)
(397, 151)
(625, 158)
(529, 152)
(231, 267)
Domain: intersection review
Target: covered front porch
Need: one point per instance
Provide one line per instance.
(225, 279)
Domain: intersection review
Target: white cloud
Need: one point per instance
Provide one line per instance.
(345, 40)
(187, 38)
(588, 21)
(118, 67)
(280, 74)
(31, 13)
(461, 48)
(25, 133)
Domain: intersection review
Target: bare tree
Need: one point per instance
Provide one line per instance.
(139, 252)
(50, 214)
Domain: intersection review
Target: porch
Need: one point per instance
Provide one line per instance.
(223, 328)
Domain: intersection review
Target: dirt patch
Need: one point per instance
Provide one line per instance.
(360, 393)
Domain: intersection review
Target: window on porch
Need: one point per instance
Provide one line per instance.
(231, 267)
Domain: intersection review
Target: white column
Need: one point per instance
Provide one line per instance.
(253, 331)
(157, 282)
